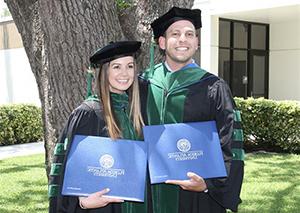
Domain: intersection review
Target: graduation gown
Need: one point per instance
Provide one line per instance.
(88, 119)
(191, 95)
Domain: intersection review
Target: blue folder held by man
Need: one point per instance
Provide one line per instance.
(175, 149)
(95, 163)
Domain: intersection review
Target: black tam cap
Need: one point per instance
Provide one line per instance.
(115, 50)
(161, 24)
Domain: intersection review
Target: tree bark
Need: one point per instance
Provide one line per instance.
(135, 22)
(60, 35)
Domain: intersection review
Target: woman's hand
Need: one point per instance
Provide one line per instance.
(96, 200)
(195, 183)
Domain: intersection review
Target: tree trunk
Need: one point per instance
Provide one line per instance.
(135, 22)
(60, 35)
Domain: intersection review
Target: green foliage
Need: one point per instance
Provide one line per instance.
(270, 125)
(123, 4)
(20, 123)
(5, 13)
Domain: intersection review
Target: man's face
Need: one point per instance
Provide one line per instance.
(180, 42)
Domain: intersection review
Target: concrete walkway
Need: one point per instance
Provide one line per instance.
(21, 150)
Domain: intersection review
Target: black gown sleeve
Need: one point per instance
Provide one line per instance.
(226, 191)
(85, 120)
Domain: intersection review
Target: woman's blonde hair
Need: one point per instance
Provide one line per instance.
(113, 128)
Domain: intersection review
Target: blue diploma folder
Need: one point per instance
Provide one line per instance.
(95, 163)
(175, 149)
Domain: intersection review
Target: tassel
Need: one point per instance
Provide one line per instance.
(152, 47)
(90, 76)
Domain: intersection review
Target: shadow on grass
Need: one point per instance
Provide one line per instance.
(33, 198)
(278, 200)
(2, 210)
(280, 171)
(275, 167)
(14, 168)
(29, 194)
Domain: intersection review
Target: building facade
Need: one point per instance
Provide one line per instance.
(17, 82)
(254, 45)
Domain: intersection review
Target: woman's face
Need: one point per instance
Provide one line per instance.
(121, 74)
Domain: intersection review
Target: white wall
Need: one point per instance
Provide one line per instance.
(214, 55)
(205, 42)
(3, 77)
(284, 60)
(229, 6)
(209, 42)
(17, 82)
(284, 69)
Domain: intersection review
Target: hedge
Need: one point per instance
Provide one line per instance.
(270, 125)
(20, 123)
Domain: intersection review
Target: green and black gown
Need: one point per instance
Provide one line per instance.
(87, 119)
(191, 95)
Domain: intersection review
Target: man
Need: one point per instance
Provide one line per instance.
(178, 90)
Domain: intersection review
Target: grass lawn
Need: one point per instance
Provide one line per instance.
(23, 185)
(271, 184)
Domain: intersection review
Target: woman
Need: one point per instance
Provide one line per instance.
(116, 115)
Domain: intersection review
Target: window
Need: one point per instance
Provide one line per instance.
(244, 57)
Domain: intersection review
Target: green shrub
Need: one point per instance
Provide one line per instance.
(270, 125)
(20, 123)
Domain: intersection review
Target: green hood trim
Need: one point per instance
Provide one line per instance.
(92, 98)
(147, 74)
(163, 85)
(119, 101)
(120, 107)
(165, 197)
(171, 81)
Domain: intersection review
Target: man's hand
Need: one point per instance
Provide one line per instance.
(195, 183)
(96, 200)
